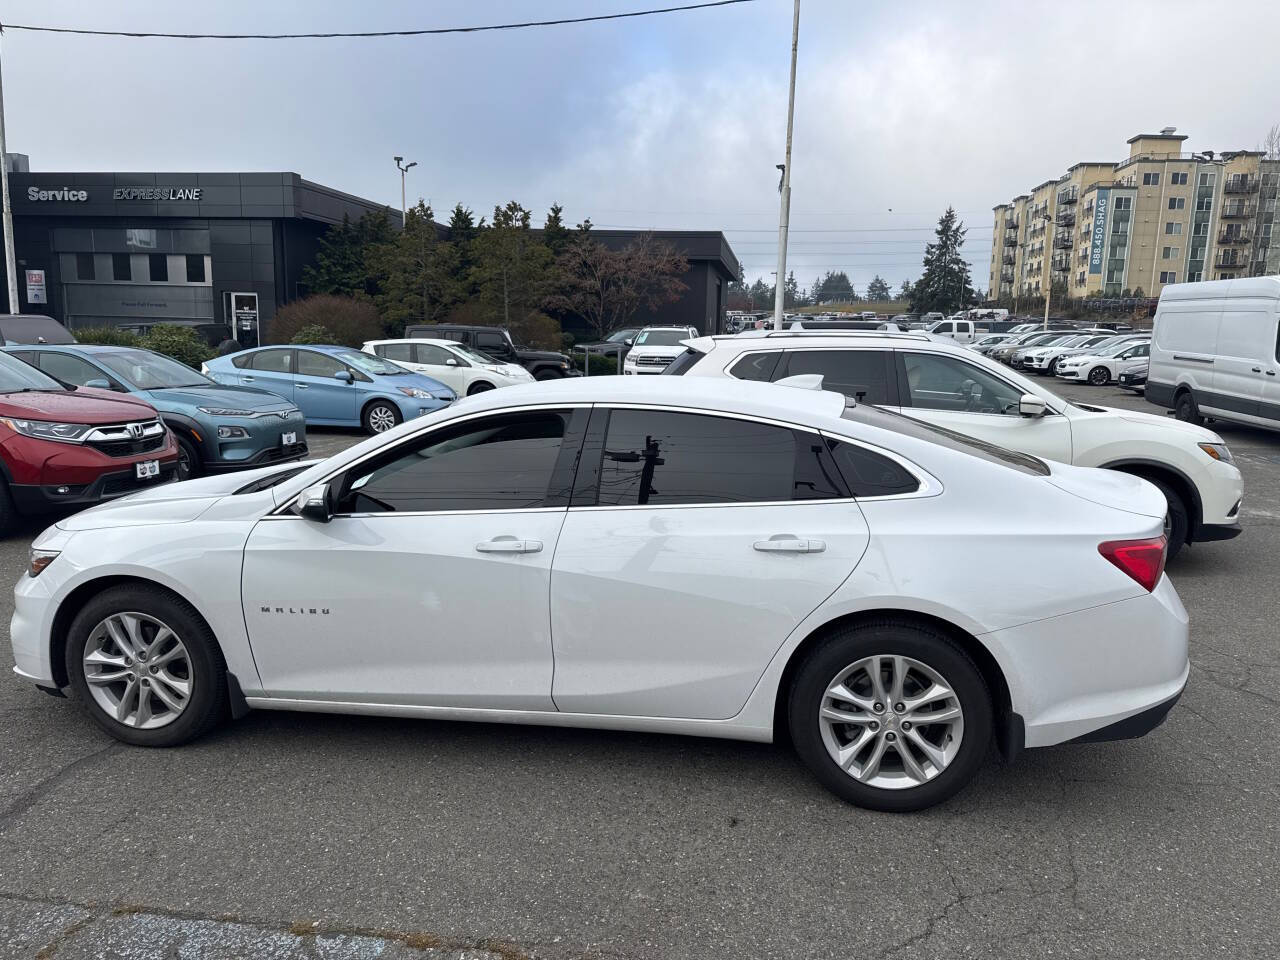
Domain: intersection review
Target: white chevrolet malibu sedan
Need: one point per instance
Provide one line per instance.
(681, 555)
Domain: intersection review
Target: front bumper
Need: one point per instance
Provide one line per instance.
(1053, 669)
(263, 458)
(1070, 373)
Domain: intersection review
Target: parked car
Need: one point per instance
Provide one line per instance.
(63, 447)
(1215, 351)
(777, 530)
(496, 342)
(1046, 359)
(463, 370)
(955, 388)
(216, 427)
(1017, 356)
(335, 386)
(32, 328)
(655, 347)
(1100, 367)
(1003, 351)
(1133, 375)
(990, 342)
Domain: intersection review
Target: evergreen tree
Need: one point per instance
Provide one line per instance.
(761, 295)
(418, 273)
(340, 265)
(815, 292)
(554, 233)
(944, 284)
(904, 291)
(837, 287)
(878, 288)
(790, 291)
(514, 272)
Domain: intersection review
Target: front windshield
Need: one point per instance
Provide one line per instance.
(475, 356)
(19, 377)
(367, 363)
(621, 335)
(144, 370)
(660, 338)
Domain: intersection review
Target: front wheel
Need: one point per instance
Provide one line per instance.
(478, 387)
(1099, 376)
(891, 715)
(380, 416)
(1176, 521)
(146, 667)
(188, 458)
(548, 374)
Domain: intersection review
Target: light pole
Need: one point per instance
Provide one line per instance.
(404, 210)
(10, 263)
(784, 212)
(1048, 293)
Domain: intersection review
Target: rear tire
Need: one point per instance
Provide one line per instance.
(8, 511)
(1099, 376)
(380, 416)
(1186, 409)
(200, 667)
(846, 660)
(189, 464)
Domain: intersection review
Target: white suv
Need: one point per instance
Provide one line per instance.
(655, 347)
(950, 386)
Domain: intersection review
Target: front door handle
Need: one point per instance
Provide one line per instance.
(300, 386)
(1257, 369)
(246, 379)
(509, 545)
(785, 543)
(1271, 373)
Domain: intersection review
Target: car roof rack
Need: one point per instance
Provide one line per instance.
(765, 334)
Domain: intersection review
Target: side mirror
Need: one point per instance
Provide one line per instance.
(451, 362)
(345, 376)
(313, 503)
(1029, 405)
(98, 383)
(629, 343)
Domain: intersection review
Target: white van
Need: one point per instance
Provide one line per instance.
(957, 328)
(1215, 351)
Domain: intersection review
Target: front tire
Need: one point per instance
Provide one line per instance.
(1099, 376)
(380, 416)
(189, 464)
(8, 512)
(547, 374)
(890, 715)
(1177, 522)
(146, 666)
(478, 387)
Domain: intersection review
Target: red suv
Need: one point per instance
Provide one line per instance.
(66, 446)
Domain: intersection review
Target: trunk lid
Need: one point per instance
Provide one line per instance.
(1109, 488)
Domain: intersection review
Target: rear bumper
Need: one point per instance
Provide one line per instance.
(1130, 728)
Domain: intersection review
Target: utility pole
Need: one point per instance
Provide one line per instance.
(404, 210)
(10, 262)
(1048, 293)
(784, 213)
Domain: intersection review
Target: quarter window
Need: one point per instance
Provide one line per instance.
(754, 366)
(272, 361)
(861, 374)
(500, 463)
(870, 474)
(936, 382)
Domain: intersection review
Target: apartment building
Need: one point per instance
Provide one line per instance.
(1160, 216)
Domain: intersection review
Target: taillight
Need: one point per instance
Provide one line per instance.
(1141, 559)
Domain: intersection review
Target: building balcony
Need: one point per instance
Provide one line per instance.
(1234, 236)
(1068, 196)
(1231, 258)
(1011, 223)
(1235, 209)
(1240, 184)
(1061, 262)
(1009, 259)
(1067, 218)
(1063, 241)
(1010, 240)
(1006, 276)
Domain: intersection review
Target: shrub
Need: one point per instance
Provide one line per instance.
(106, 336)
(349, 321)
(181, 343)
(313, 333)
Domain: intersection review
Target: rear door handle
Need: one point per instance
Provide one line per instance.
(788, 544)
(509, 545)
(1257, 369)
(246, 379)
(300, 386)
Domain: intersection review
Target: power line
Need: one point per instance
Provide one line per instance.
(374, 33)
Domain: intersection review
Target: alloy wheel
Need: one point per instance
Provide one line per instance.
(891, 722)
(138, 670)
(382, 419)
(1099, 376)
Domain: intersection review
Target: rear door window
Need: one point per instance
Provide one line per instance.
(272, 361)
(864, 375)
(395, 351)
(69, 369)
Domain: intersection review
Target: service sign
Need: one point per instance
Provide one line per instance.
(35, 287)
(1099, 235)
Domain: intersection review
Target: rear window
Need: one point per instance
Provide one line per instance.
(682, 363)
(919, 430)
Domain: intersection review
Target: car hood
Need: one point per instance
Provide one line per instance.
(419, 380)
(82, 405)
(1110, 488)
(1187, 431)
(656, 349)
(245, 398)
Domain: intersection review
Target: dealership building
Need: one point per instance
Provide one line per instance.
(136, 249)
(98, 249)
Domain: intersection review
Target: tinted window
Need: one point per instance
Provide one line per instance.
(120, 267)
(159, 267)
(937, 382)
(861, 374)
(659, 458)
(430, 353)
(492, 342)
(678, 366)
(312, 364)
(754, 366)
(195, 268)
(870, 474)
(272, 361)
(69, 369)
(395, 351)
(500, 463)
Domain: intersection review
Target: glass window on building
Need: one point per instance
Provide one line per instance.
(1177, 203)
(1179, 179)
(143, 239)
(120, 267)
(1204, 203)
(1173, 228)
(84, 267)
(159, 267)
(1195, 276)
(1150, 179)
(195, 268)
(1207, 179)
(1169, 253)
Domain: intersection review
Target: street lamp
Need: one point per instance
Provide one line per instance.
(784, 187)
(1048, 293)
(404, 211)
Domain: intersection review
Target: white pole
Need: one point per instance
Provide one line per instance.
(404, 210)
(784, 213)
(10, 262)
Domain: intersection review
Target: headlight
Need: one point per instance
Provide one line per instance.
(1218, 451)
(48, 430)
(230, 433)
(416, 393)
(225, 412)
(564, 365)
(39, 560)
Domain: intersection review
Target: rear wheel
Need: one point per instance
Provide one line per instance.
(478, 387)
(548, 374)
(1186, 409)
(1099, 376)
(8, 512)
(891, 715)
(189, 465)
(380, 416)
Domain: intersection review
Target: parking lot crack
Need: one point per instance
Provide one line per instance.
(51, 948)
(37, 792)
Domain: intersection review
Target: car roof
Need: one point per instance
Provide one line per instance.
(787, 339)
(437, 341)
(764, 400)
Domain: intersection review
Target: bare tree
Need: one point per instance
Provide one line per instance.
(1271, 143)
(607, 287)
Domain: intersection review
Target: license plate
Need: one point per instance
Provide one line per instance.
(148, 468)
(287, 439)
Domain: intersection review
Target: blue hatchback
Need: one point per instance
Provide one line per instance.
(335, 386)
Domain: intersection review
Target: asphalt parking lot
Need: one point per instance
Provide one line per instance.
(310, 836)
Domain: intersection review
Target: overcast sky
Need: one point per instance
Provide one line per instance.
(672, 121)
